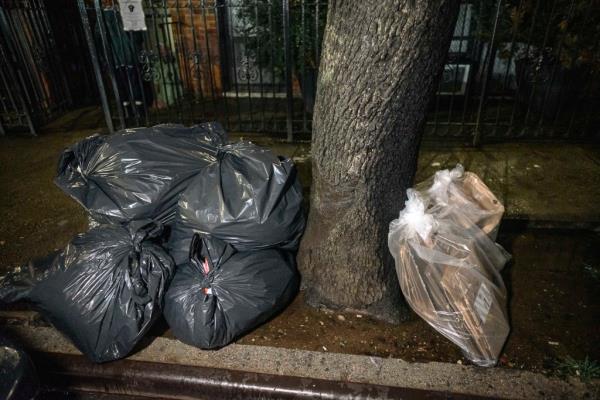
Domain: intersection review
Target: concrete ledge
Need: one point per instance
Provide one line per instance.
(493, 382)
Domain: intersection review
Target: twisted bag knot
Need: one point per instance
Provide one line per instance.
(442, 180)
(413, 217)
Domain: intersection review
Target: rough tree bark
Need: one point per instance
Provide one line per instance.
(380, 63)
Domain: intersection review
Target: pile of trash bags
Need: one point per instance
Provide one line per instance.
(181, 224)
(448, 264)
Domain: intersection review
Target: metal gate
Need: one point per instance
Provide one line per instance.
(32, 84)
(203, 60)
(516, 68)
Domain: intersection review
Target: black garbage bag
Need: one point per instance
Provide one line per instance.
(103, 291)
(18, 377)
(221, 293)
(137, 173)
(249, 198)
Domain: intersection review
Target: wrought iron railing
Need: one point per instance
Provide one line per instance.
(516, 68)
(32, 83)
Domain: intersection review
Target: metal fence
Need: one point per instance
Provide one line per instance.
(516, 68)
(511, 71)
(250, 64)
(33, 85)
(521, 69)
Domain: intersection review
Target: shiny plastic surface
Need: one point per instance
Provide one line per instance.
(137, 173)
(249, 198)
(464, 191)
(448, 270)
(104, 290)
(221, 293)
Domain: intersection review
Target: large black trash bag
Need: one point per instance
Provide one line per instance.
(249, 198)
(221, 294)
(103, 291)
(18, 377)
(137, 173)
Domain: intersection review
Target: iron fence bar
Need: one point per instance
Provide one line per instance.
(174, 69)
(95, 64)
(535, 80)
(272, 60)
(124, 65)
(508, 64)
(196, 57)
(451, 102)
(520, 78)
(140, 78)
(317, 42)
(159, 58)
(260, 75)
(7, 109)
(127, 77)
(468, 88)
(209, 59)
(43, 36)
(14, 75)
(24, 53)
(37, 38)
(109, 62)
(6, 83)
(552, 74)
(247, 71)
(235, 77)
(303, 63)
(181, 38)
(287, 55)
(28, 32)
(19, 93)
(489, 65)
(221, 22)
(50, 36)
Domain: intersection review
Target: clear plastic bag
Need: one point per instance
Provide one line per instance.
(448, 271)
(463, 191)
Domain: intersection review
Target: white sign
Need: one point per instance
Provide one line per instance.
(132, 15)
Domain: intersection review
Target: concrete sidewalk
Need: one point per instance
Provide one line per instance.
(540, 184)
(440, 377)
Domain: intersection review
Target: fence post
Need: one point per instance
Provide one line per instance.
(287, 54)
(487, 74)
(94, 57)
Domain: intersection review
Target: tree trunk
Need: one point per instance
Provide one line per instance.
(380, 64)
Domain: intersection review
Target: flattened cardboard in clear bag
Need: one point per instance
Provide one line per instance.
(465, 192)
(450, 277)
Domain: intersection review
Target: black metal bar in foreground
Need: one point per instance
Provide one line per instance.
(126, 378)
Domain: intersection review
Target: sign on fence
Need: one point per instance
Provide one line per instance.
(132, 15)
